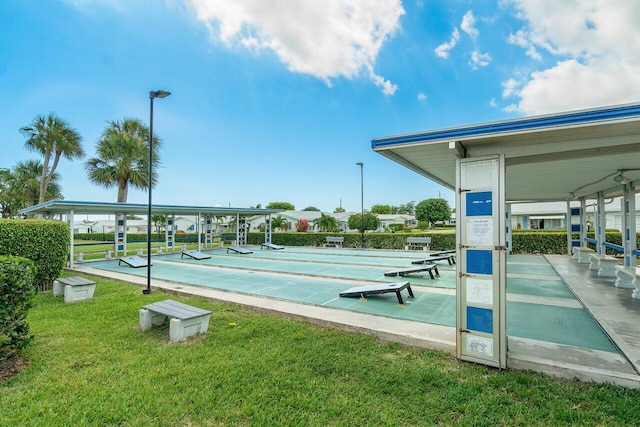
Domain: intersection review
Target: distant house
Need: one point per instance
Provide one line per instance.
(553, 215)
(403, 219)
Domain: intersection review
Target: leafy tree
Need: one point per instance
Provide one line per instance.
(281, 205)
(433, 210)
(311, 209)
(339, 209)
(327, 223)
(159, 221)
(23, 184)
(123, 157)
(51, 136)
(406, 209)
(302, 225)
(279, 223)
(380, 209)
(9, 205)
(371, 221)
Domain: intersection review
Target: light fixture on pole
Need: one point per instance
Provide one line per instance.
(152, 95)
(361, 203)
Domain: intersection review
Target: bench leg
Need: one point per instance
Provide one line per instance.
(399, 298)
(435, 267)
(149, 318)
(180, 330)
(410, 291)
(58, 289)
(431, 273)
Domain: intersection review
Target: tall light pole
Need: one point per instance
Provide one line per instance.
(361, 203)
(152, 95)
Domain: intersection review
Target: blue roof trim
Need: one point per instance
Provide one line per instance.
(516, 125)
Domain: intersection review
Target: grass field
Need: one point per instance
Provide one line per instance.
(90, 365)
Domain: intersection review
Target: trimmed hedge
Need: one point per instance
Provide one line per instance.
(17, 289)
(44, 242)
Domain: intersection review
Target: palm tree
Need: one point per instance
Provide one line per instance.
(123, 157)
(50, 135)
(279, 223)
(23, 184)
(327, 223)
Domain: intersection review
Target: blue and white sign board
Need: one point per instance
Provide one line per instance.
(481, 252)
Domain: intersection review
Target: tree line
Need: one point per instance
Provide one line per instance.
(122, 160)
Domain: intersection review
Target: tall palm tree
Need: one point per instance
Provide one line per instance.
(123, 157)
(51, 136)
(23, 184)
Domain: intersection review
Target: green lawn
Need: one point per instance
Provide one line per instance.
(91, 365)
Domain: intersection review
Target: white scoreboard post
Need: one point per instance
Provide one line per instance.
(481, 252)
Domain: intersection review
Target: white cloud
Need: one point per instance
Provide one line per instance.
(479, 60)
(443, 50)
(422, 97)
(596, 44)
(520, 38)
(510, 88)
(468, 24)
(326, 39)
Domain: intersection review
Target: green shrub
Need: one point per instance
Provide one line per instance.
(17, 289)
(44, 242)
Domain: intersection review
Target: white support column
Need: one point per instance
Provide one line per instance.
(120, 234)
(508, 225)
(575, 222)
(208, 239)
(629, 241)
(601, 226)
(169, 233)
(198, 231)
(267, 228)
(70, 221)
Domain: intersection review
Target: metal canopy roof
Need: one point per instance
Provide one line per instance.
(551, 157)
(63, 207)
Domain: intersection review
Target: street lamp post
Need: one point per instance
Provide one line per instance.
(152, 95)
(361, 203)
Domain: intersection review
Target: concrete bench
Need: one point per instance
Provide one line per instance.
(74, 288)
(185, 320)
(582, 253)
(628, 277)
(422, 243)
(604, 264)
(334, 241)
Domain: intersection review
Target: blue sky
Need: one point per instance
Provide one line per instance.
(277, 101)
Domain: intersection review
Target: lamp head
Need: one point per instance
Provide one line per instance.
(360, 164)
(158, 94)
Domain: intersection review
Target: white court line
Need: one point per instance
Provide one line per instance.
(331, 300)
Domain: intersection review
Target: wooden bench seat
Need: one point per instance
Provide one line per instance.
(185, 320)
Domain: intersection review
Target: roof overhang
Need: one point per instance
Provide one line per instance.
(54, 207)
(552, 157)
